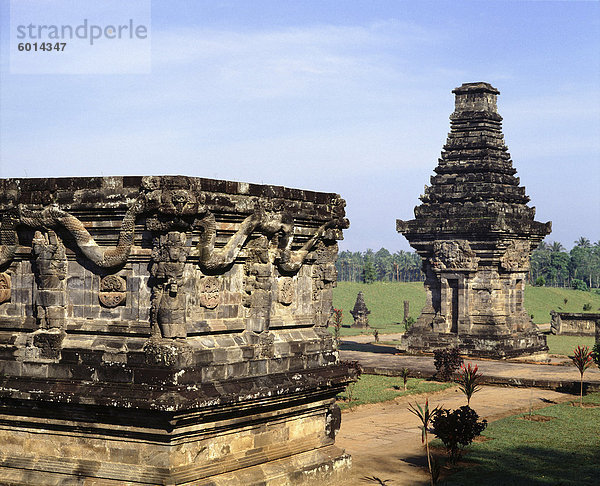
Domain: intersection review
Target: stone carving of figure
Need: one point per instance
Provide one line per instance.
(167, 265)
(51, 271)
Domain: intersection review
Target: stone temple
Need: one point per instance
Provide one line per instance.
(475, 233)
(168, 330)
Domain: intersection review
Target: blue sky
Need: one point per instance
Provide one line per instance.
(350, 97)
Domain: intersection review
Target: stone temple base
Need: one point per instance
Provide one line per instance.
(493, 346)
(280, 433)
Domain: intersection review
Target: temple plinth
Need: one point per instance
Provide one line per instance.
(168, 330)
(475, 234)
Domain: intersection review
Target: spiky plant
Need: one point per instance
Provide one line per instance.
(426, 417)
(468, 381)
(582, 358)
(404, 372)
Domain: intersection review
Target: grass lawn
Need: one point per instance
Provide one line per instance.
(377, 388)
(539, 301)
(562, 451)
(385, 301)
(567, 344)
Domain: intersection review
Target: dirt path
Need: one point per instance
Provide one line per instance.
(385, 440)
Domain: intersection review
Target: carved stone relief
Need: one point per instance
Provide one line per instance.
(4, 287)
(50, 271)
(516, 256)
(113, 291)
(454, 255)
(286, 290)
(209, 295)
(167, 264)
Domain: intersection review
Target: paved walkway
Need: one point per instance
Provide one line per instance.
(559, 374)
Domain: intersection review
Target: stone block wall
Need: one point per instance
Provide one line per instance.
(575, 324)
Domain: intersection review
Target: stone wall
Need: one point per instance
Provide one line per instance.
(167, 330)
(575, 324)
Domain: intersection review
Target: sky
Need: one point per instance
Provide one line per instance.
(351, 97)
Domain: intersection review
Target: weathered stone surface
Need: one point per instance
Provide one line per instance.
(574, 323)
(475, 232)
(360, 312)
(167, 330)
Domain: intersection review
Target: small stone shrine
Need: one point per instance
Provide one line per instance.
(475, 233)
(168, 330)
(360, 312)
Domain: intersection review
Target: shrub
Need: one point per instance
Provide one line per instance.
(409, 322)
(596, 353)
(457, 429)
(578, 284)
(446, 362)
(540, 281)
(587, 307)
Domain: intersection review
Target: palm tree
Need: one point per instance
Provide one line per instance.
(583, 242)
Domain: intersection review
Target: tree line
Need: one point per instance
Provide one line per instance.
(551, 265)
(381, 266)
(579, 268)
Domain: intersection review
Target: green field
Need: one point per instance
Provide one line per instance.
(567, 344)
(377, 388)
(385, 301)
(565, 450)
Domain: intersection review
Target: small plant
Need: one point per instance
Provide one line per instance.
(596, 353)
(457, 429)
(376, 335)
(337, 326)
(426, 417)
(540, 281)
(446, 362)
(587, 307)
(582, 358)
(404, 372)
(468, 382)
(565, 300)
(409, 322)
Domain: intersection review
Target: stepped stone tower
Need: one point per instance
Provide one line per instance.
(475, 233)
